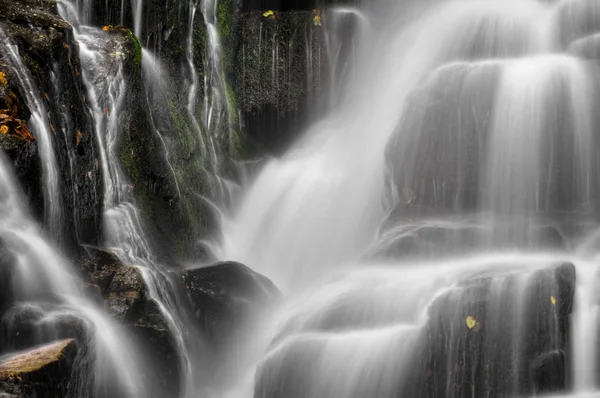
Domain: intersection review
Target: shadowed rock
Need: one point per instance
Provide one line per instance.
(40, 372)
(227, 295)
(495, 335)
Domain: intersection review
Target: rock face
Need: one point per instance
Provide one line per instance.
(281, 73)
(498, 335)
(122, 291)
(46, 46)
(42, 372)
(226, 296)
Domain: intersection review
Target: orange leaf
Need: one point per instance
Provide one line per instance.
(78, 135)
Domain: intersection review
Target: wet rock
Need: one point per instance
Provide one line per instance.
(433, 158)
(577, 19)
(405, 238)
(6, 270)
(47, 48)
(226, 296)
(126, 294)
(549, 372)
(26, 325)
(40, 372)
(502, 335)
(587, 47)
(98, 267)
(275, 94)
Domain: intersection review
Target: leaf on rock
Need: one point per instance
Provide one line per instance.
(269, 14)
(4, 129)
(3, 80)
(553, 300)
(78, 135)
(471, 322)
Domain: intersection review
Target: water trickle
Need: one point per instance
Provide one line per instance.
(124, 234)
(44, 282)
(40, 125)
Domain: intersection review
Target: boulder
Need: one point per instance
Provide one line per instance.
(226, 296)
(503, 335)
(40, 372)
(496, 335)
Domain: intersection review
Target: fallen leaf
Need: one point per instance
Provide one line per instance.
(78, 135)
(106, 111)
(4, 129)
(553, 300)
(471, 322)
(269, 13)
(3, 80)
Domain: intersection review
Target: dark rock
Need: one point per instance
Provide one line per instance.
(126, 294)
(226, 296)
(7, 262)
(42, 372)
(47, 48)
(98, 267)
(23, 326)
(489, 336)
(496, 335)
(278, 100)
(548, 372)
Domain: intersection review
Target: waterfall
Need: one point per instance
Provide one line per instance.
(435, 230)
(448, 178)
(124, 232)
(43, 282)
(53, 211)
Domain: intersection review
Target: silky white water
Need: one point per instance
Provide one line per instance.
(39, 271)
(469, 130)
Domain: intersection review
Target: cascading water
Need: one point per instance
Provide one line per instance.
(39, 122)
(428, 229)
(45, 289)
(486, 141)
(104, 77)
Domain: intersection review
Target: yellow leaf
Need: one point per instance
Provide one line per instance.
(4, 129)
(553, 300)
(471, 322)
(107, 28)
(317, 20)
(269, 13)
(3, 80)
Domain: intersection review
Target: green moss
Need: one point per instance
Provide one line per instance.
(137, 54)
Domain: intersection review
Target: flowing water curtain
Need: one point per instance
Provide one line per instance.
(46, 291)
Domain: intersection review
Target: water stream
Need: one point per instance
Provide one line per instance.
(452, 177)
